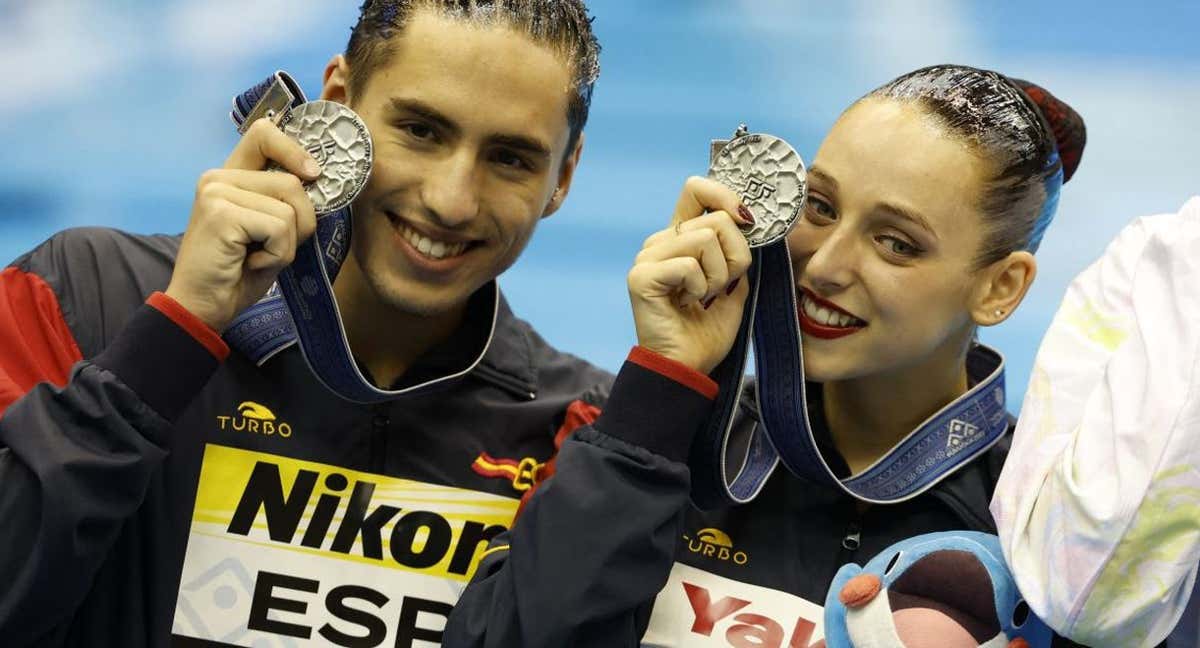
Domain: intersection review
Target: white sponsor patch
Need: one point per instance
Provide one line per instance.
(285, 552)
(702, 610)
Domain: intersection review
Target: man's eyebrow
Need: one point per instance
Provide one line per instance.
(425, 111)
(824, 177)
(908, 215)
(524, 143)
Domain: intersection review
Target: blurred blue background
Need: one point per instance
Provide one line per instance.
(111, 111)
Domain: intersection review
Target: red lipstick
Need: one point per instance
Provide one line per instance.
(810, 326)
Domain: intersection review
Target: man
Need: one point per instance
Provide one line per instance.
(156, 488)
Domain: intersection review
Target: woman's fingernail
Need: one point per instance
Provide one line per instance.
(311, 167)
(708, 302)
(745, 214)
(732, 286)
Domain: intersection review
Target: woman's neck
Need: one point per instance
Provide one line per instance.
(868, 416)
(386, 339)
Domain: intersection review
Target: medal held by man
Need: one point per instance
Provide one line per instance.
(338, 140)
(333, 134)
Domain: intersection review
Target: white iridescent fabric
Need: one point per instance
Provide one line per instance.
(1098, 506)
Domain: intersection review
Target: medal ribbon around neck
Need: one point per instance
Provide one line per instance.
(770, 177)
(300, 307)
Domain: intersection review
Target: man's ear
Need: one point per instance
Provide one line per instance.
(336, 79)
(1000, 288)
(565, 175)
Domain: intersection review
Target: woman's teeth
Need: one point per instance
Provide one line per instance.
(429, 247)
(827, 317)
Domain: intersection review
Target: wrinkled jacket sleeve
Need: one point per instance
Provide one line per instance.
(1098, 506)
(80, 436)
(594, 545)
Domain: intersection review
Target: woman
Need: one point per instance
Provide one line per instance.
(926, 202)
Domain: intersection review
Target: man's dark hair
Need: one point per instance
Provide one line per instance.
(563, 25)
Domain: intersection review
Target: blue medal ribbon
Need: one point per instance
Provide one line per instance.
(961, 431)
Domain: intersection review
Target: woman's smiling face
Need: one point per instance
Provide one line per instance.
(885, 252)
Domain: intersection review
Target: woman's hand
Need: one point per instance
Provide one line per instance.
(686, 284)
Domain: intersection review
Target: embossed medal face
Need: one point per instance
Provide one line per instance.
(338, 139)
(769, 176)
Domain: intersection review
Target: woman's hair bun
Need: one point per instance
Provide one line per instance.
(1070, 134)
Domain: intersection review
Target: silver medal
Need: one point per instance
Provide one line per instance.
(769, 176)
(339, 141)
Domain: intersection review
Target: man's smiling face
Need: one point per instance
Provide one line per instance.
(469, 125)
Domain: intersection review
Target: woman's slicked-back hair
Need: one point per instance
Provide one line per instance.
(563, 25)
(1033, 140)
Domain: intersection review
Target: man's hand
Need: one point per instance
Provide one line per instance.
(245, 226)
(685, 285)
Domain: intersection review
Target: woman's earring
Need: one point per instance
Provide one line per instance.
(999, 312)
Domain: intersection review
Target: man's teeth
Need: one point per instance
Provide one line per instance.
(825, 316)
(429, 247)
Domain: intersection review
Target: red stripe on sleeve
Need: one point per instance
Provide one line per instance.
(190, 323)
(674, 370)
(578, 415)
(36, 345)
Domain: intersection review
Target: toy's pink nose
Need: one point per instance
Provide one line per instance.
(859, 591)
(1018, 643)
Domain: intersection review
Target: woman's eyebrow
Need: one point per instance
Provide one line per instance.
(908, 215)
(825, 178)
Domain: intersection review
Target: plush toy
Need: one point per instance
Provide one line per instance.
(943, 590)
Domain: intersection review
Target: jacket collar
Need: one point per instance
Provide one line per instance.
(491, 344)
(508, 361)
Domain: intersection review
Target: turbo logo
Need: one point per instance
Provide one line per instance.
(255, 418)
(714, 543)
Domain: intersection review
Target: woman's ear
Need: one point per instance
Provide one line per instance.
(1000, 288)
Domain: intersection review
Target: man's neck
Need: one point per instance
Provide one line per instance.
(387, 340)
(867, 417)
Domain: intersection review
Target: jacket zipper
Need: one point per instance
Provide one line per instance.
(851, 541)
(377, 445)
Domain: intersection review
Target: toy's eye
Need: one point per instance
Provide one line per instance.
(1020, 614)
(892, 563)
